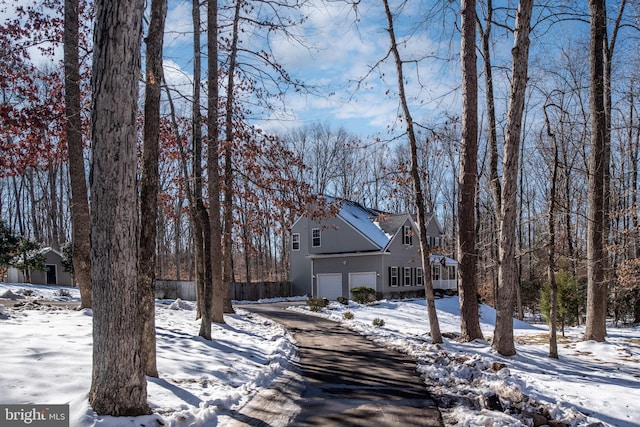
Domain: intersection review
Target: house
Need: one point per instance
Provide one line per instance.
(364, 247)
(54, 274)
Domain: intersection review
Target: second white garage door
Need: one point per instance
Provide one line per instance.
(329, 285)
(367, 279)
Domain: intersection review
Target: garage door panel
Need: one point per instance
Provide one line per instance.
(367, 279)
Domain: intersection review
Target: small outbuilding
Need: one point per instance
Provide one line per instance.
(54, 273)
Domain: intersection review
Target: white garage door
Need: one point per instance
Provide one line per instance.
(362, 279)
(329, 285)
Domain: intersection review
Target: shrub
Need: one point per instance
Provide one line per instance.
(363, 294)
(315, 304)
(27, 292)
(378, 322)
(64, 293)
(343, 300)
(348, 315)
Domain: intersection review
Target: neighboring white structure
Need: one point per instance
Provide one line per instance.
(54, 274)
(365, 247)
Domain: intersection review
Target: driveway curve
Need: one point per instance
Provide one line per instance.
(340, 379)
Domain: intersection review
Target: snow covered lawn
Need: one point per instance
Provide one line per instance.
(46, 358)
(591, 382)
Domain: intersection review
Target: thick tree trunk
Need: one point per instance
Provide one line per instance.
(467, 258)
(596, 286)
(80, 240)
(425, 250)
(149, 184)
(508, 270)
(118, 385)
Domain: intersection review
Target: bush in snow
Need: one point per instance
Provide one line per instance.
(348, 315)
(342, 300)
(315, 304)
(363, 294)
(378, 322)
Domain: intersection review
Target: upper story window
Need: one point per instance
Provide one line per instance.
(295, 241)
(407, 234)
(315, 237)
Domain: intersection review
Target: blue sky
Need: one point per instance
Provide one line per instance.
(338, 53)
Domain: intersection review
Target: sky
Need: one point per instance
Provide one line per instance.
(335, 53)
(45, 357)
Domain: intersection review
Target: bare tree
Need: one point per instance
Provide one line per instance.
(118, 385)
(80, 217)
(149, 183)
(219, 292)
(425, 250)
(507, 271)
(467, 285)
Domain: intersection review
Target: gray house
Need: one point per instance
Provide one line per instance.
(364, 247)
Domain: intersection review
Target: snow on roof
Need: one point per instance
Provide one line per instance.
(362, 219)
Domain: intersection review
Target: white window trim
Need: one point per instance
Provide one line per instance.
(394, 273)
(295, 239)
(419, 276)
(313, 238)
(406, 277)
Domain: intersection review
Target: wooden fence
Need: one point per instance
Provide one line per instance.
(173, 289)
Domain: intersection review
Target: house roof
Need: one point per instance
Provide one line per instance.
(377, 226)
(364, 220)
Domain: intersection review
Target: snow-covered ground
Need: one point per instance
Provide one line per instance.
(45, 357)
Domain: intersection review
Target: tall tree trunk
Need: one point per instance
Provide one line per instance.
(220, 290)
(551, 256)
(149, 184)
(118, 385)
(467, 255)
(202, 229)
(596, 328)
(508, 270)
(80, 221)
(425, 250)
(228, 164)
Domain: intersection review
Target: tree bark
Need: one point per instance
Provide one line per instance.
(508, 270)
(425, 250)
(551, 256)
(467, 258)
(80, 218)
(596, 328)
(220, 290)
(149, 184)
(118, 385)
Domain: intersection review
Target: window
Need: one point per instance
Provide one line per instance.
(452, 272)
(435, 272)
(315, 237)
(419, 277)
(407, 234)
(407, 276)
(393, 276)
(295, 241)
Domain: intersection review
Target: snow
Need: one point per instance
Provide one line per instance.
(46, 358)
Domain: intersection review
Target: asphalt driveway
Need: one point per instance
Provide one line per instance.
(340, 379)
